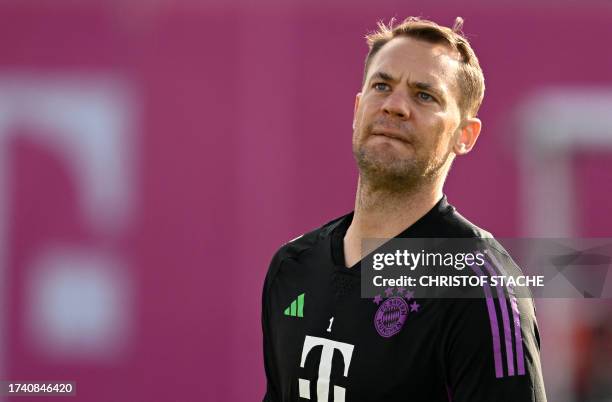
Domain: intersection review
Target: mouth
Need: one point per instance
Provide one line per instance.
(392, 135)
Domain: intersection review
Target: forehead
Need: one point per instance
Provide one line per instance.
(417, 60)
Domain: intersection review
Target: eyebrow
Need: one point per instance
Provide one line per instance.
(425, 86)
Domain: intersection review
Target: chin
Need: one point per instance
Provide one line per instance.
(388, 154)
(385, 163)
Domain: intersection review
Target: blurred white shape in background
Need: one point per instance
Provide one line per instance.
(88, 122)
(79, 304)
(555, 123)
(79, 299)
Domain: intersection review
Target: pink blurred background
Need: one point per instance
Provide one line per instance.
(154, 155)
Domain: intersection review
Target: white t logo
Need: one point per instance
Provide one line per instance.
(325, 367)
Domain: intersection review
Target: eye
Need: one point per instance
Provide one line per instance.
(424, 96)
(381, 86)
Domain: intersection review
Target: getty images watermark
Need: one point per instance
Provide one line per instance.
(469, 268)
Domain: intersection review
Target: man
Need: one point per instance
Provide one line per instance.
(416, 111)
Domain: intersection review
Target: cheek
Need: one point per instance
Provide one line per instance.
(362, 119)
(367, 107)
(440, 134)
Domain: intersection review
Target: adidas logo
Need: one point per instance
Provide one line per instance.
(296, 309)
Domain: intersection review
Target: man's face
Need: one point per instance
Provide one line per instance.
(407, 115)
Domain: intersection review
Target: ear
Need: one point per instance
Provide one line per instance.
(467, 136)
(357, 99)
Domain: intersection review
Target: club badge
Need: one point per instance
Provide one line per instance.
(392, 313)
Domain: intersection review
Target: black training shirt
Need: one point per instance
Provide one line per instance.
(323, 342)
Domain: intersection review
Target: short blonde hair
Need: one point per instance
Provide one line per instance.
(470, 77)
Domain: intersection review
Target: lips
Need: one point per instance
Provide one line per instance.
(390, 134)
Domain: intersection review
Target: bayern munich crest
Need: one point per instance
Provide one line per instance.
(392, 313)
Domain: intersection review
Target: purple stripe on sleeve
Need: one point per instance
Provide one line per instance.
(501, 297)
(516, 315)
(516, 318)
(499, 372)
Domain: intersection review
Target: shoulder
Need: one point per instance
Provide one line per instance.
(294, 247)
(297, 246)
(457, 225)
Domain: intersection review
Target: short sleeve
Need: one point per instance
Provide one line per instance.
(491, 349)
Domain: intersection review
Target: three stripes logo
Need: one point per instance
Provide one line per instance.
(296, 309)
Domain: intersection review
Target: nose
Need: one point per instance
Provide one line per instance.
(396, 105)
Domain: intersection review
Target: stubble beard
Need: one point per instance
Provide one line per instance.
(392, 174)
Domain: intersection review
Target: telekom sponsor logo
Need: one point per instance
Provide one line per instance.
(325, 364)
(77, 293)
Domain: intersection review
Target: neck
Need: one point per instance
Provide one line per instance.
(384, 214)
